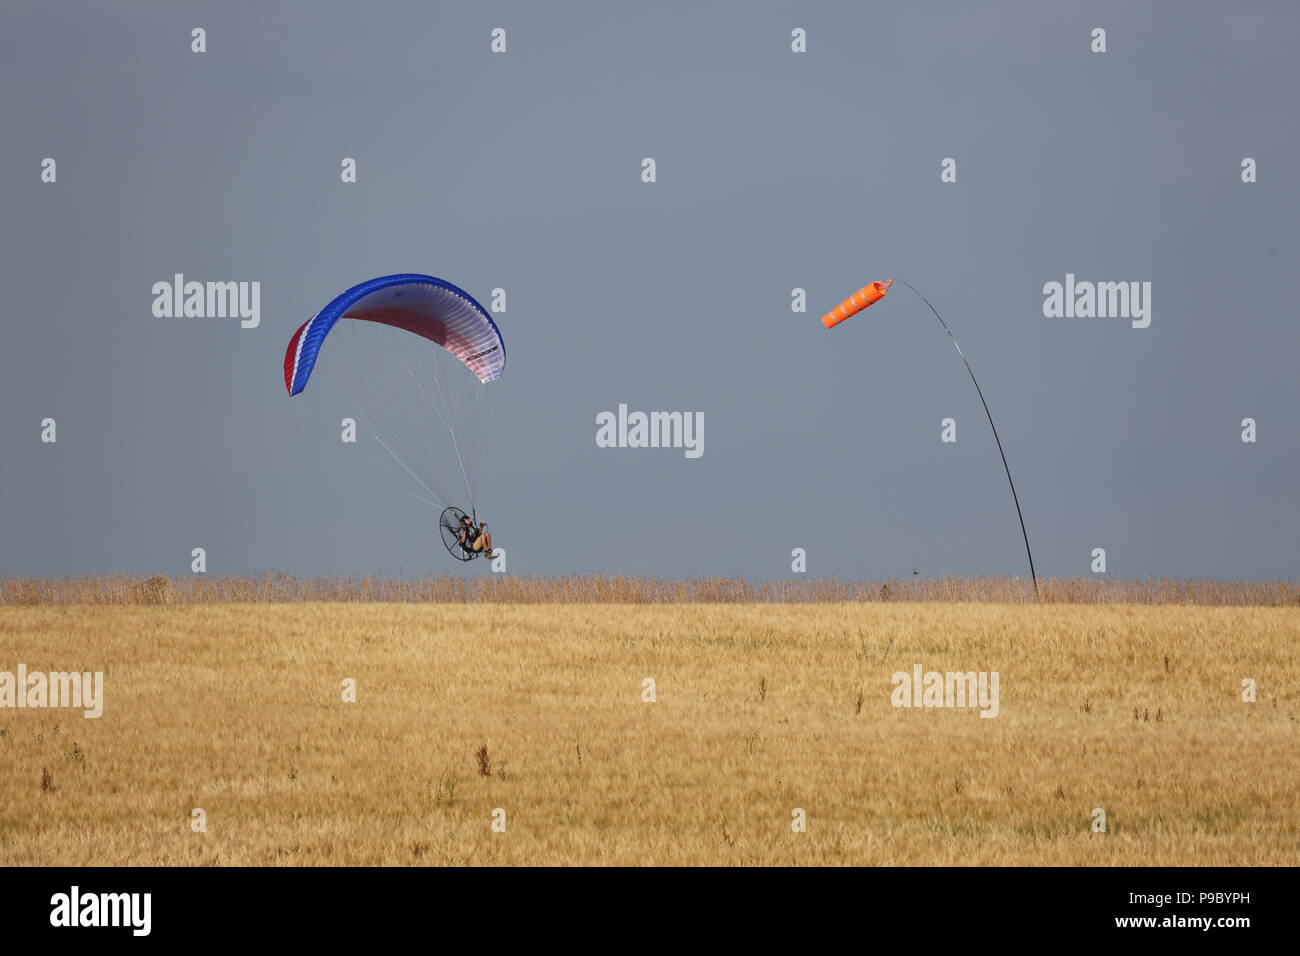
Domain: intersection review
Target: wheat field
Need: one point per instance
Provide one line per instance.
(760, 709)
(275, 587)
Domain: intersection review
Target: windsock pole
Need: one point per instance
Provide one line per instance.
(873, 293)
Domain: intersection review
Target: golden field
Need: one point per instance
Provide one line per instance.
(761, 708)
(274, 587)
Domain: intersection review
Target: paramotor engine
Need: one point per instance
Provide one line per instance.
(451, 526)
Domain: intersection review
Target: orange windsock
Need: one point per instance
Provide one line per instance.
(867, 295)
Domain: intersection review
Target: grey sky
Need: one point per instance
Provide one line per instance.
(775, 171)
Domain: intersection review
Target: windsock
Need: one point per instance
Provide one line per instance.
(867, 295)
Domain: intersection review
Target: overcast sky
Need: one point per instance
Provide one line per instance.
(776, 170)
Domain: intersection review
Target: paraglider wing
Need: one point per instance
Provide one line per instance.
(423, 305)
(409, 371)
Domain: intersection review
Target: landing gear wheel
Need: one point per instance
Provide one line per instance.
(449, 526)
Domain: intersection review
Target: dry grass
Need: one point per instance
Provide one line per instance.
(761, 709)
(613, 589)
